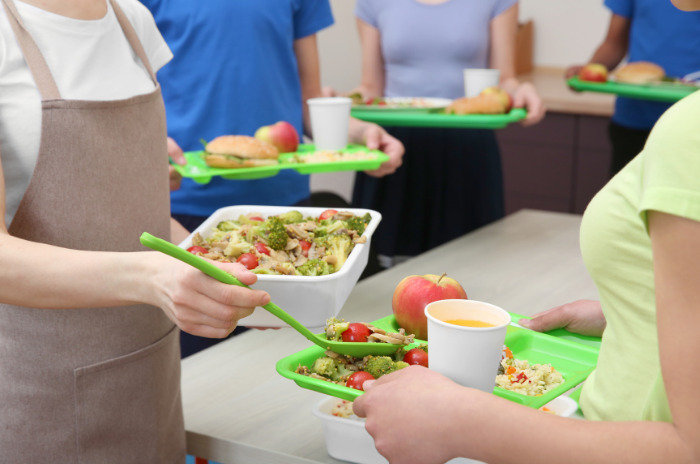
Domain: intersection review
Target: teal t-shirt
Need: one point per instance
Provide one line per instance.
(615, 244)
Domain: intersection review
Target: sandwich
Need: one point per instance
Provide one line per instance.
(239, 151)
(640, 72)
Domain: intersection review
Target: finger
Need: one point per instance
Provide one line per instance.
(358, 406)
(372, 138)
(367, 385)
(555, 318)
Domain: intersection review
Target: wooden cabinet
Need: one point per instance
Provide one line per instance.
(556, 165)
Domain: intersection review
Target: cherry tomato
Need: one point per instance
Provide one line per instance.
(356, 332)
(249, 260)
(257, 218)
(197, 249)
(304, 247)
(416, 356)
(262, 248)
(329, 213)
(357, 379)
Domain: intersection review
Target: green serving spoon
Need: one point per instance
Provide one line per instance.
(357, 349)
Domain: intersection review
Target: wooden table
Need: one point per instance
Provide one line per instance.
(239, 410)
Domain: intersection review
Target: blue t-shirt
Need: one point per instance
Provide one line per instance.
(234, 70)
(664, 35)
(427, 47)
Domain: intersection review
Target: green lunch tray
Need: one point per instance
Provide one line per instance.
(669, 92)
(574, 360)
(438, 118)
(197, 170)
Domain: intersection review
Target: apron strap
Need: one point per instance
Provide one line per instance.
(37, 64)
(133, 39)
(35, 60)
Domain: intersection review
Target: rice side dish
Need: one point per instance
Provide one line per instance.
(520, 376)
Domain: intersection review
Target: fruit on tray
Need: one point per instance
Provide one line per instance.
(414, 292)
(280, 134)
(504, 96)
(593, 72)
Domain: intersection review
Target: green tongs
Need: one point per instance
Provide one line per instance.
(357, 349)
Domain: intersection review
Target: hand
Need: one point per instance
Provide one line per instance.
(583, 317)
(328, 92)
(408, 413)
(376, 138)
(525, 96)
(572, 71)
(175, 154)
(199, 304)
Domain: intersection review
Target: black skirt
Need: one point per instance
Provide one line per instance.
(450, 183)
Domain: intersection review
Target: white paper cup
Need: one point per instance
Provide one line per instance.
(330, 122)
(476, 80)
(468, 355)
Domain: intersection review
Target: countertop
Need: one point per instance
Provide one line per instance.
(239, 409)
(559, 98)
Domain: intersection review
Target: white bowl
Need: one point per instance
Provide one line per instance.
(311, 300)
(348, 440)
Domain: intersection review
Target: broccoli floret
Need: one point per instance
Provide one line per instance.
(228, 225)
(358, 223)
(381, 365)
(236, 246)
(271, 231)
(338, 246)
(328, 226)
(314, 267)
(325, 366)
(290, 217)
(335, 328)
(334, 369)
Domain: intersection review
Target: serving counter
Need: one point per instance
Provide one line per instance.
(238, 409)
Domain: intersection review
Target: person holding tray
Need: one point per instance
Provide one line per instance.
(89, 355)
(644, 30)
(640, 239)
(451, 180)
(238, 66)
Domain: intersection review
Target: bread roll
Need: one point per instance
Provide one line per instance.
(239, 151)
(485, 103)
(640, 72)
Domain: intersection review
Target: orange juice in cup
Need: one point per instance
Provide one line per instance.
(465, 340)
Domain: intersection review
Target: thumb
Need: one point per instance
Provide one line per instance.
(372, 138)
(368, 385)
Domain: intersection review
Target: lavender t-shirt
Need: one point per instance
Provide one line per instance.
(426, 47)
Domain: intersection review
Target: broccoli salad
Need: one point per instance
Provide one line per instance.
(338, 368)
(285, 244)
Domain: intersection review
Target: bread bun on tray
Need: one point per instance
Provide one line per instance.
(640, 72)
(239, 151)
(484, 103)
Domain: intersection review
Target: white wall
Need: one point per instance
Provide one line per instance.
(566, 32)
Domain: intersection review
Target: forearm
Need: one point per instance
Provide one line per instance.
(508, 433)
(609, 55)
(43, 276)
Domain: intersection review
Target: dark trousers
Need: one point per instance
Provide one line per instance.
(626, 144)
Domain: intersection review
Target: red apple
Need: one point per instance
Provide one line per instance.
(414, 292)
(280, 134)
(593, 72)
(503, 95)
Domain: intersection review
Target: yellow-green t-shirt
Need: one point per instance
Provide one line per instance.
(615, 244)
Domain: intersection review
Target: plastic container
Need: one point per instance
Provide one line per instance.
(311, 300)
(348, 440)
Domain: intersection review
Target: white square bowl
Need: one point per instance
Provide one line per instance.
(348, 440)
(311, 300)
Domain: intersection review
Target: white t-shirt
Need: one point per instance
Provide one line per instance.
(89, 60)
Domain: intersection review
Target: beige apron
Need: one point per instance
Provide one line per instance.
(98, 385)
